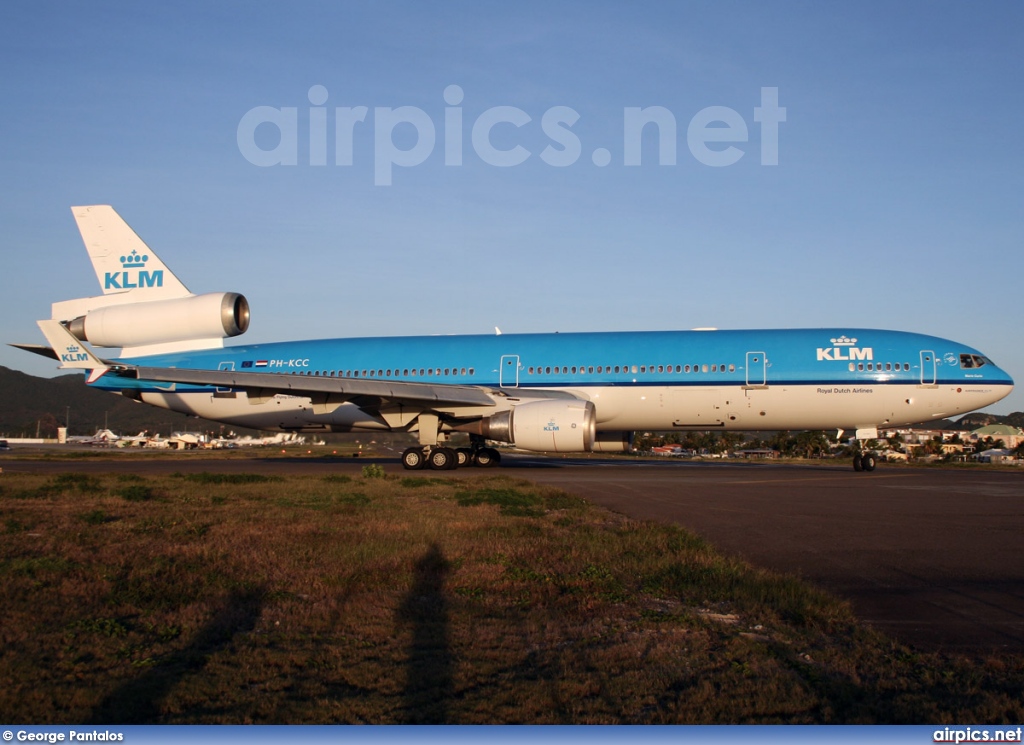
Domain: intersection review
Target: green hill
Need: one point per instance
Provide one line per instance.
(29, 404)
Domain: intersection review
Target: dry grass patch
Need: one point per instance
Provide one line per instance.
(373, 598)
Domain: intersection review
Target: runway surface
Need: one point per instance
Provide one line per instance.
(931, 557)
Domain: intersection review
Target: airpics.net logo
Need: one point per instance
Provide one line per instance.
(715, 135)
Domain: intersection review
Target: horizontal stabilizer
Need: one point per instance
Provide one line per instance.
(70, 351)
(40, 349)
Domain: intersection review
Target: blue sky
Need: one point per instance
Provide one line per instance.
(896, 201)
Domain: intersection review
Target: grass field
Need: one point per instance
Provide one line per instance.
(385, 599)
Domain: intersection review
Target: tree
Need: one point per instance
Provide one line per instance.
(811, 443)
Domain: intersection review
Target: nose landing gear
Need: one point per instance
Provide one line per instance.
(864, 462)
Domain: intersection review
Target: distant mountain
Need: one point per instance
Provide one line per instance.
(977, 420)
(29, 404)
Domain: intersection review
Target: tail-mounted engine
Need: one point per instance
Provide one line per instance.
(198, 318)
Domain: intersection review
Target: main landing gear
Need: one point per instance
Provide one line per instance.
(447, 459)
(432, 453)
(864, 462)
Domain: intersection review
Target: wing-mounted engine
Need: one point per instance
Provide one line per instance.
(557, 426)
(193, 322)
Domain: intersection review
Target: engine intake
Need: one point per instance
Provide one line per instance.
(216, 315)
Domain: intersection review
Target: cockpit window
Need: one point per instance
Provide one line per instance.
(971, 361)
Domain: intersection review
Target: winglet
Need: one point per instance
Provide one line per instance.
(71, 352)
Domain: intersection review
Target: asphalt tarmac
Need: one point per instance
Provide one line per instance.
(932, 557)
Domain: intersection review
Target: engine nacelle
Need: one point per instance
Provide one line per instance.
(216, 315)
(613, 442)
(556, 426)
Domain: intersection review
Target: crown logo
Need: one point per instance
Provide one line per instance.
(844, 341)
(134, 260)
(72, 348)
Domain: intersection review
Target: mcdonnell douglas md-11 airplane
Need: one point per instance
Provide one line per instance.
(561, 393)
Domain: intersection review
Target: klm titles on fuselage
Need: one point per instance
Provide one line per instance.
(843, 350)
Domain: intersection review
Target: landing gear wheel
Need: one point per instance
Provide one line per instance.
(858, 464)
(867, 462)
(486, 458)
(464, 457)
(442, 459)
(413, 460)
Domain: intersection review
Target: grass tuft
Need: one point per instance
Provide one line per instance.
(135, 493)
(374, 471)
(228, 478)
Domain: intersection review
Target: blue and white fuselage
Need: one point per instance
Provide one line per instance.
(541, 392)
(743, 380)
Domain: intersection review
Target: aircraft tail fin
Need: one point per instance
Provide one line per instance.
(122, 261)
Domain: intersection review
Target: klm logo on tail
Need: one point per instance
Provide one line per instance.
(843, 350)
(73, 353)
(134, 274)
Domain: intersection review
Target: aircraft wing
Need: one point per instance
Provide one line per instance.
(259, 387)
(265, 385)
